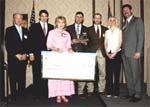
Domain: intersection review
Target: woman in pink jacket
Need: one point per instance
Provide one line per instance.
(59, 40)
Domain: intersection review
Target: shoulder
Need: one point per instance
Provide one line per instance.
(91, 27)
(10, 28)
(34, 25)
(52, 31)
(108, 31)
(85, 27)
(103, 27)
(50, 26)
(66, 34)
(138, 19)
(119, 29)
(70, 26)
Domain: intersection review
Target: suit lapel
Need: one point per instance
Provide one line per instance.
(131, 21)
(93, 30)
(40, 28)
(102, 31)
(74, 31)
(48, 29)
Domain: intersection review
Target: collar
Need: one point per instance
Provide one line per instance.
(129, 18)
(95, 26)
(43, 23)
(77, 25)
(17, 26)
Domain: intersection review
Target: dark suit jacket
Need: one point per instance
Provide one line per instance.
(14, 45)
(77, 47)
(133, 37)
(38, 39)
(93, 39)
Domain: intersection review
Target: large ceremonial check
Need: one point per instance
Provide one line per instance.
(71, 66)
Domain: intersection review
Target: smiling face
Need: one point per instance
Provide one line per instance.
(97, 19)
(43, 17)
(112, 21)
(127, 12)
(60, 22)
(18, 18)
(79, 19)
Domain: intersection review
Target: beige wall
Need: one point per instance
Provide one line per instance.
(69, 7)
(55, 7)
(147, 41)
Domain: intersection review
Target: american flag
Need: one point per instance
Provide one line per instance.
(109, 10)
(32, 18)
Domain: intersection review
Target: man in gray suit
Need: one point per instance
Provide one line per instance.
(133, 40)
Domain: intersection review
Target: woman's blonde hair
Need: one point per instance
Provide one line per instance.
(116, 21)
(60, 18)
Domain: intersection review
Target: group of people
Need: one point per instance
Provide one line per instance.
(109, 43)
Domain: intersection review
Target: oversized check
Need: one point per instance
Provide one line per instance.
(72, 66)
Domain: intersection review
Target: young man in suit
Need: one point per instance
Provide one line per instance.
(96, 44)
(77, 31)
(39, 32)
(16, 40)
(132, 49)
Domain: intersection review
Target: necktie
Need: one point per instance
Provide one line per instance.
(44, 29)
(97, 32)
(78, 31)
(98, 36)
(125, 25)
(20, 32)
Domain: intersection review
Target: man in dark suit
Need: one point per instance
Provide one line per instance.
(39, 32)
(132, 49)
(78, 34)
(16, 40)
(96, 44)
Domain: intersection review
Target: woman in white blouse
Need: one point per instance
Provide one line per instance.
(113, 41)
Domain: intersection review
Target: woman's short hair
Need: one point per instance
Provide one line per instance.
(60, 18)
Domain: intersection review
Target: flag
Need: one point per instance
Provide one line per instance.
(109, 10)
(32, 18)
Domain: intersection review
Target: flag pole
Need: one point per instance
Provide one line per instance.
(32, 18)
(93, 8)
(114, 2)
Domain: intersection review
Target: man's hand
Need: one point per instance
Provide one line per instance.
(137, 55)
(74, 41)
(84, 41)
(19, 57)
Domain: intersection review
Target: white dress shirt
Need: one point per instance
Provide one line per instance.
(78, 27)
(46, 26)
(96, 27)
